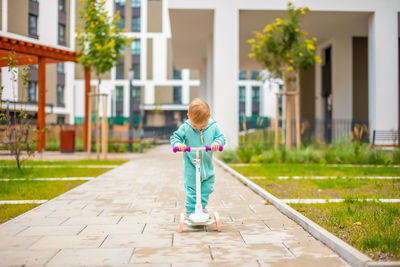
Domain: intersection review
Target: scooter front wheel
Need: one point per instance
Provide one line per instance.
(181, 223)
(217, 222)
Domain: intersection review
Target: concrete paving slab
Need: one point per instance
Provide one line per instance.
(91, 257)
(68, 241)
(219, 264)
(128, 217)
(82, 220)
(171, 255)
(106, 229)
(265, 251)
(138, 240)
(51, 230)
(17, 242)
(29, 257)
(208, 238)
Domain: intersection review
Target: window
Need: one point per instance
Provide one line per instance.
(60, 95)
(61, 5)
(119, 8)
(136, 47)
(136, 94)
(177, 74)
(135, 24)
(136, 69)
(254, 74)
(177, 94)
(136, 3)
(242, 75)
(242, 100)
(32, 92)
(119, 100)
(121, 23)
(120, 70)
(60, 67)
(32, 27)
(120, 2)
(60, 119)
(61, 34)
(255, 99)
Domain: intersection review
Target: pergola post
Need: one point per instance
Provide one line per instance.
(87, 116)
(41, 104)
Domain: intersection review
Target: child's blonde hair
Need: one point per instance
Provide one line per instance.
(199, 111)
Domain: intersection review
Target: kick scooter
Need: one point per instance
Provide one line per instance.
(198, 217)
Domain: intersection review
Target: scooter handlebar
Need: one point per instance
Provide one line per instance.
(207, 148)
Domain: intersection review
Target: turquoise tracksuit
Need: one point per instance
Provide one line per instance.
(191, 137)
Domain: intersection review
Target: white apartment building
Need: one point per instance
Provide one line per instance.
(163, 89)
(358, 42)
(48, 23)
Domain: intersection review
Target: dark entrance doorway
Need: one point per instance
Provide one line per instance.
(327, 94)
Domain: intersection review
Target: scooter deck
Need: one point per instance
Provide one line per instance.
(190, 222)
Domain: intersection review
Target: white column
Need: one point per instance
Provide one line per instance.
(226, 66)
(149, 94)
(4, 15)
(185, 93)
(208, 93)
(342, 78)
(143, 58)
(383, 69)
(203, 82)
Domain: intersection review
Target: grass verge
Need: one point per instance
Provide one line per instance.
(331, 188)
(275, 170)
(64, 163)
(35, 190)
(31, 172)
(9, 211)
(372, 227)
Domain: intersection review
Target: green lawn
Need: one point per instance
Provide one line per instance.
(65, 163)
(331, 188)
(70, 171)
(377, 232)
(31, 189)
(9, 211)
(275, 170)
(378, 235)
(267, 177)
(30, 171)
(35, 190)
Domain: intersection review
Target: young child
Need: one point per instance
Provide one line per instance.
(198, 131)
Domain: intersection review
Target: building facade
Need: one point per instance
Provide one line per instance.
(161, 92)
(358, 42)
(44, 22)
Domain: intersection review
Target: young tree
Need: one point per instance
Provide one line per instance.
(284, 50)
(17, 123)
(101, 41)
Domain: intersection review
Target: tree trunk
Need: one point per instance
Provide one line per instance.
(97, 119)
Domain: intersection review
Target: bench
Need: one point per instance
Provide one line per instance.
(386, 138)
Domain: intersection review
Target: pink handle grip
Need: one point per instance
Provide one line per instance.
(208, 148)
(176, 149)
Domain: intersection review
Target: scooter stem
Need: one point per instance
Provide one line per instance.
(199, 207)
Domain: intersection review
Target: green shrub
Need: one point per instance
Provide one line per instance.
(245, 153)
(228, 156)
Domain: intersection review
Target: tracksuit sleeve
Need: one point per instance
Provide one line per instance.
(219, 136)
(178, 137)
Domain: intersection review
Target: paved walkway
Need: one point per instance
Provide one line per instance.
(127, 217)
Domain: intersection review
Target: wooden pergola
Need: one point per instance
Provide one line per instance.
(29, 53)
